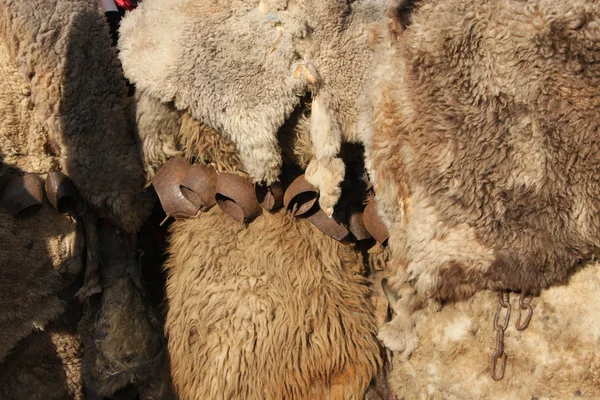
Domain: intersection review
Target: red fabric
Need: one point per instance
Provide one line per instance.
(126, 4)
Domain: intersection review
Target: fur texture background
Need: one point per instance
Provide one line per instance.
(485, 148)
(63, 105)
(75, 94)
(225, 63)
(23, 140)
(122, 338)
(46, 365)
(241, 67)
(555, 358)
(274, 309)
(40, 255)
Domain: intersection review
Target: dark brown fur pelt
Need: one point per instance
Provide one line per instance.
(485, 149)
(47, 364)
(40, 255)
(122, 337)
(271, 310)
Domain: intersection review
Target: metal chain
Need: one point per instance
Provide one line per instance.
(503, 303)
(524, 305)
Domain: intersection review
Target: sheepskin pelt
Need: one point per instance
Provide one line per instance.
(485, 148)
(122, 337)
(555, 358)
(69, 108)
(241, 67)
(64, 107)
(24, 142)
(271, 310)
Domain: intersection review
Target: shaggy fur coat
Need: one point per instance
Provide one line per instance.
(272, 309)
(242, 66)
(39, 255)
(484, 148)
(63, 107)
(46, 365)
(74, 95)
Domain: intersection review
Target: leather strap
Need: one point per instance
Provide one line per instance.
(200, 185)
(374, 224)
(61, 192)
(269, 197)
(329, 226)
(236, 197)
(22, 193)
(167, 183)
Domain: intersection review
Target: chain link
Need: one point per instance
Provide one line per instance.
(524, 305)
(499, 353)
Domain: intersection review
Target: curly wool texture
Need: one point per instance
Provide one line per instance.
(155, 126)
(241, 67)
(224, 63)
(24, 143)
(196, 319)
(75, 92)
(485, 146)
(272, 310)
(338, 50)
(555, 358)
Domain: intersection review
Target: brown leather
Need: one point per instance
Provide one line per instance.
(200, 185)
(61, 192)
(329, 226)
(269, 197)
(374, 224)
(356, 223)
(236, 197)
(300, 197)
(167, 183)
(22, 193)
